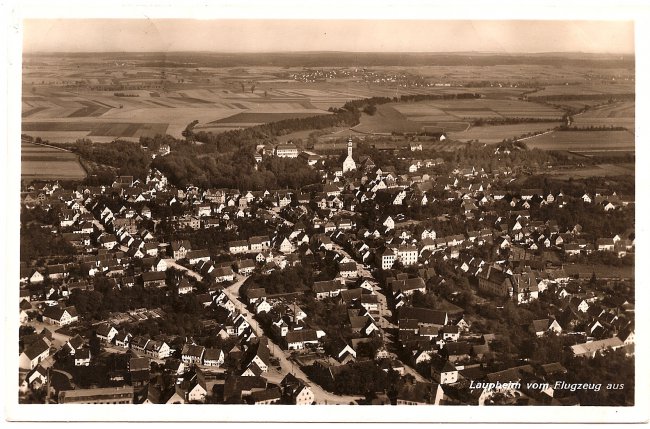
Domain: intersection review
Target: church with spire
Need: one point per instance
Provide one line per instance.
(349, 164)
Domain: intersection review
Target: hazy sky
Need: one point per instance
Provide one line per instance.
(64, 35)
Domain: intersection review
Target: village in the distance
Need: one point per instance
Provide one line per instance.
(195, 230)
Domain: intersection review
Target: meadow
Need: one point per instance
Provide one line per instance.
(619, 114)
(498, 133)
(600, 89)
(42, 163)
(599, 170)
(587, 141)
(456, 117)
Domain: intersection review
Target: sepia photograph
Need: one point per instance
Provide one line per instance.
(224, 209)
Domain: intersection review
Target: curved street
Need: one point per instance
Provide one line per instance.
(321, 395)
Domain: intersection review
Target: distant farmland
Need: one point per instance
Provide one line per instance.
(600, 170)
(262, 118)
(584, 141)
(43, 162)
(620, 114)
(498, 133)
(471, 109)
(386, 120)
(456, 117)
(95, 129)
(60, 93)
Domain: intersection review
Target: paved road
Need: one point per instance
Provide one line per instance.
(381, 298)
(384, 312)
(58, 339)
(171, 263)
(322, 396)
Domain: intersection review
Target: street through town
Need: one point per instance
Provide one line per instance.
(287, 367)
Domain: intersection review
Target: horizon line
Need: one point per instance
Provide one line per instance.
(338, 52)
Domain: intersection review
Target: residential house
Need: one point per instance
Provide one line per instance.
(238, 246)
(541, 327)
(590, 349)
(106, 332)
(33, 354)
(420, 393)
(56, 315)
(213, 357)
(82, 357)
(296, 391)
(444, 372)
(192, 354)
(180, 248)
(157, 349)
(154, 279)
(196, 256)
(123, 339)
(495, 282)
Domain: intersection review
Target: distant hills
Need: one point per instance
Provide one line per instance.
(353, 59)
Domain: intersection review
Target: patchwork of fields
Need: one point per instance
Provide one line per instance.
(97, 129)
(584, 141)
(43, 162)
(585, 89)
(620, 114)
(104, 101)
(498, 133)
(129, 101)
(456, 116)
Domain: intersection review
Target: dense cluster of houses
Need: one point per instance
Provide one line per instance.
(383, 260)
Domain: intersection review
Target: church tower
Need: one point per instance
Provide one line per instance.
(349, 164)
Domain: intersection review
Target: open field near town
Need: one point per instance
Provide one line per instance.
(59, 95)
(589, 141)
(135, 96)
(498, 133)
(213, 108)
(586, 89)
(484, 108)
(600, 170)
(386, 120)
(261, 118)
(456, 116)
(523, 75)
(42, 162)
(619, 114)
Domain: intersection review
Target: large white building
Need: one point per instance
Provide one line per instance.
(387, 259)
(349, 164)
(407, 255)
(288, 150)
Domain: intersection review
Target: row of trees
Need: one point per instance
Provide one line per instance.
(266, 133)
(369, 104)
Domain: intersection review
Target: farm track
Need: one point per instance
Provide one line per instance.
(46, 145)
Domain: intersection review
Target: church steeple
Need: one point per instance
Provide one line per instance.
(349, 164)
